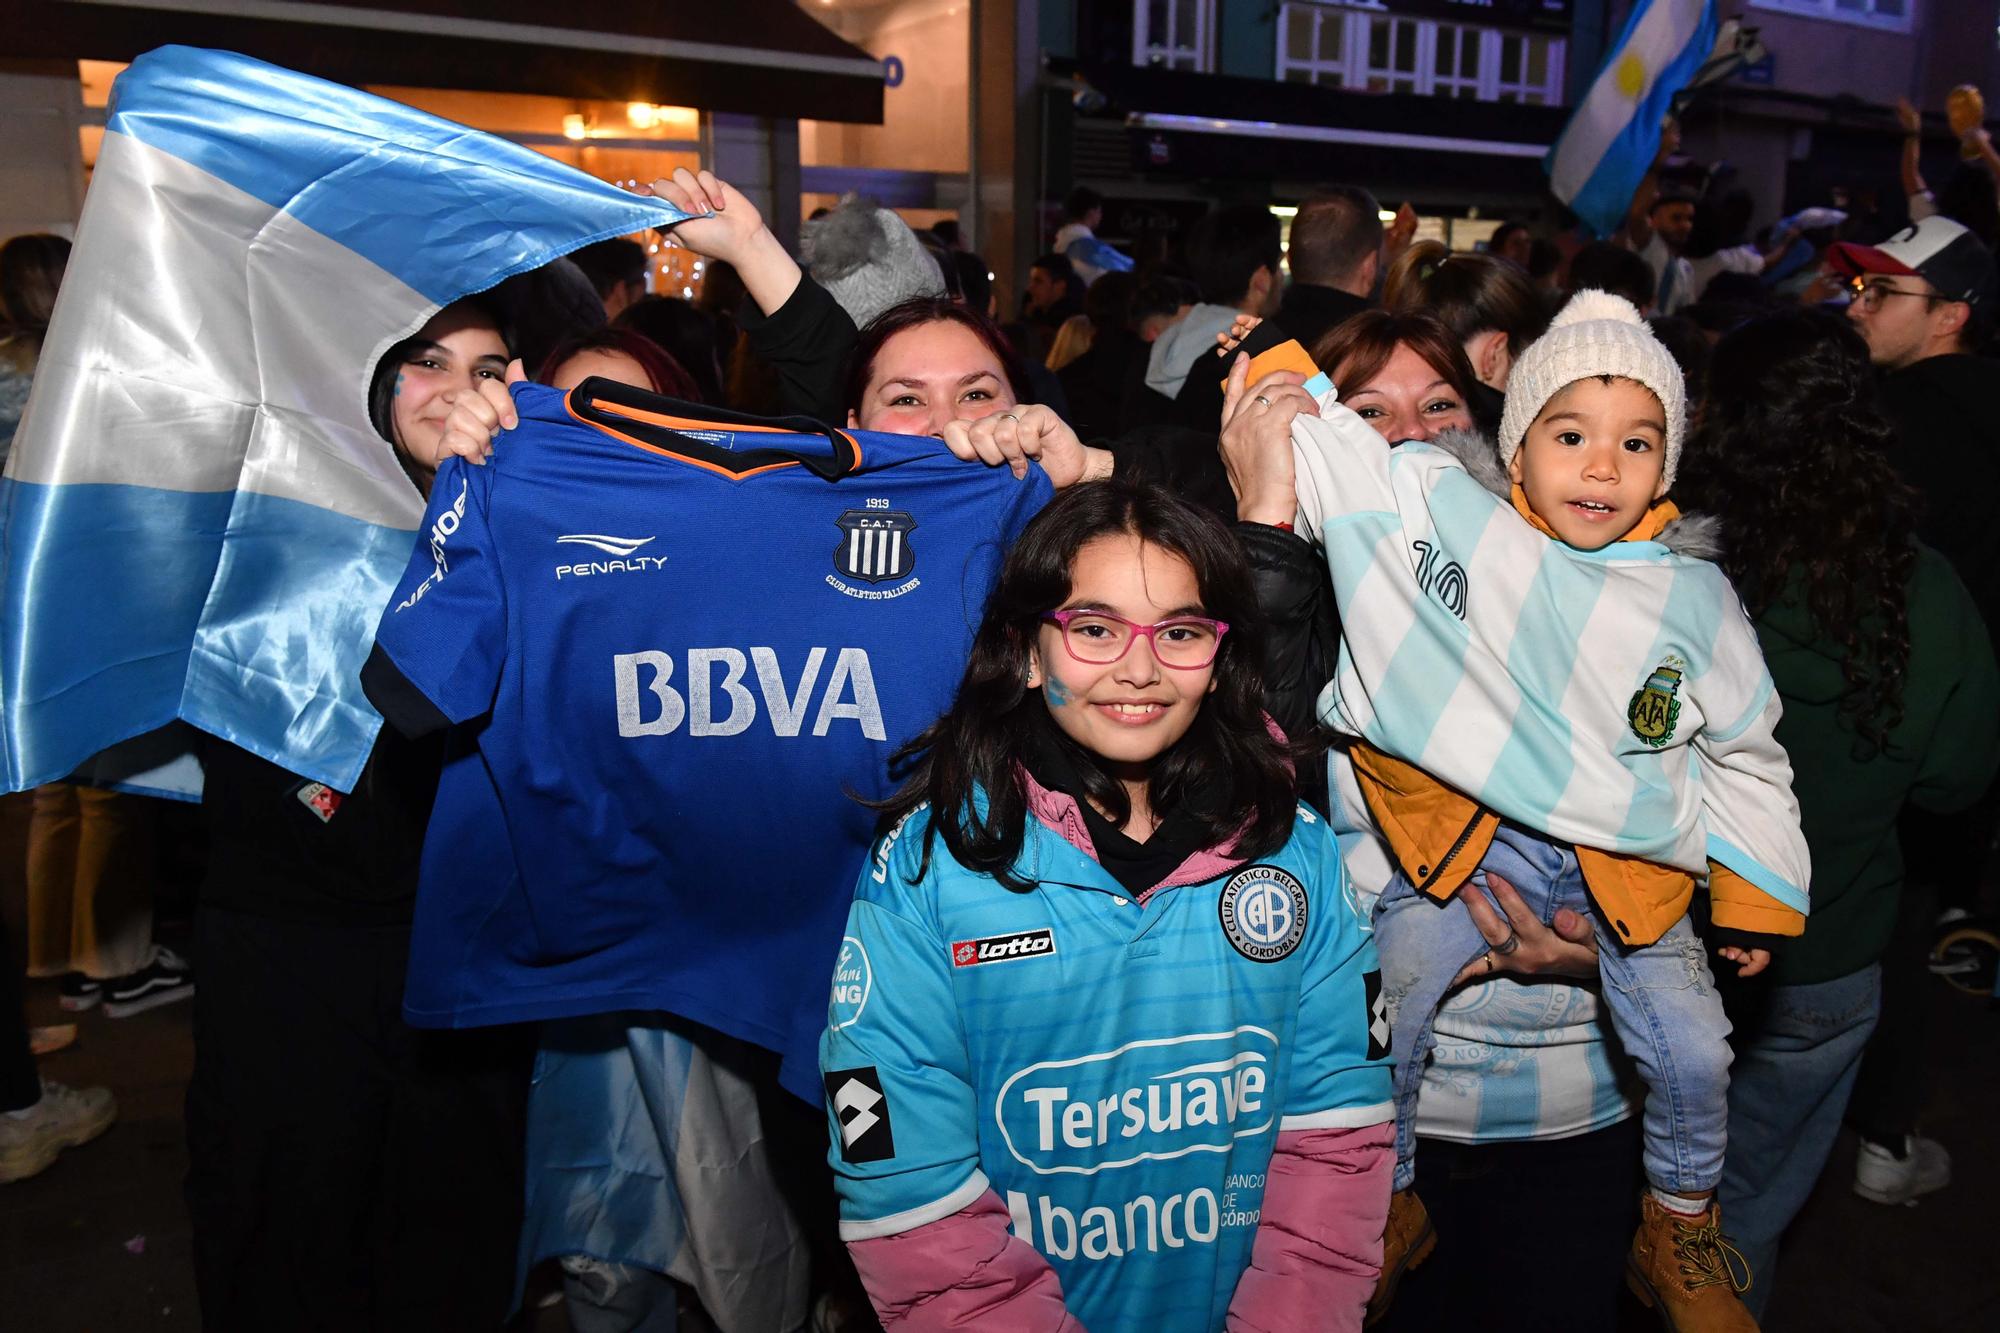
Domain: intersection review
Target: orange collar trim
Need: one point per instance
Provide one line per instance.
(1647, 529)
(688, 424)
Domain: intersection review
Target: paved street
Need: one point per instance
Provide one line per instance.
(100, 1242)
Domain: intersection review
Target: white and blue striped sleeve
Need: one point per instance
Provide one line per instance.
(1751, 813)
(1341, 468)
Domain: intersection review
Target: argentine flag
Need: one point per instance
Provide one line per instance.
(1608, 145)
(197, 520)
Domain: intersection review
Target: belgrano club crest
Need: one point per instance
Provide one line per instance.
(874, 549)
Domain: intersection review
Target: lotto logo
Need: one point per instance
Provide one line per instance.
(1003, 948)
(862, 1111)
(1378, 1015)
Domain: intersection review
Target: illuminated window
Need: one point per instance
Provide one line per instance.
(1174, 34)
(1355, 45)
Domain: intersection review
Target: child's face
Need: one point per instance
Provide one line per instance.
(1133, 710)
(1594, 461)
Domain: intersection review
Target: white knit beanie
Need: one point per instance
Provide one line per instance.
(1595, 334)
(868, 259)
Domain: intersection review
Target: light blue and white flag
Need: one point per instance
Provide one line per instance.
(1608, 145)
(197, 520)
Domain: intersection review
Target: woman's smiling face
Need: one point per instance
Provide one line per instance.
(1407, 399)
(448, 356)
(928, 376)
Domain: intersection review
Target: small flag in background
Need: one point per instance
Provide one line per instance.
(1608, 145)
(197, 520)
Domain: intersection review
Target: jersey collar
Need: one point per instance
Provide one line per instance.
(659, 424)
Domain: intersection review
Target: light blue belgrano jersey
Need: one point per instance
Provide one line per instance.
(1116, 1073)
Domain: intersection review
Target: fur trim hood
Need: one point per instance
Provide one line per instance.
(1696, 536)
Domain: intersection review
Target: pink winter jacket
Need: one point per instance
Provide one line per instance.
(1312, 1264)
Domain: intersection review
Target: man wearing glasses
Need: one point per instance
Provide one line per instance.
(1924, 301)
(1923, 294)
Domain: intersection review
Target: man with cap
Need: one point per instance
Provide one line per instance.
(1923, 300)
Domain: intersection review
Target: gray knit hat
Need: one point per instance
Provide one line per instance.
(868, 259)
(1595, 334)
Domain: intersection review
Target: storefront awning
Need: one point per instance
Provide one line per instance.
(760, 57)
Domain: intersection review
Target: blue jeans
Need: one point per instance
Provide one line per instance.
(1793, 1076)
(1660, 997)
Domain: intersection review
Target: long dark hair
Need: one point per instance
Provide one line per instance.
(1468, 294)
(1229, 772)
(1792, 453)
(31, 270)
(914, 314)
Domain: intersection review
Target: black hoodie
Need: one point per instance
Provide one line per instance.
(1946, 410)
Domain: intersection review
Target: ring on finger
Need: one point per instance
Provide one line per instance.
(1260, 398)
(1009, 416)
(1488, 956)
(1508, 945)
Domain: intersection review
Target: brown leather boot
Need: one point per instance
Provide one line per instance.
(1682, 1267)
(1407, 1240)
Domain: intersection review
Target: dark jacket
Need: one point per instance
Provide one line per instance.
(1942, 408)
(1940, 759)
(284, 846)
(808, 341)
(1095, 383)
(1307, 313)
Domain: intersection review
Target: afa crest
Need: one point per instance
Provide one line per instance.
(1656, 709)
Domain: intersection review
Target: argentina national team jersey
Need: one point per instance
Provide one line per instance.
(675, 643)
(1117, 1073)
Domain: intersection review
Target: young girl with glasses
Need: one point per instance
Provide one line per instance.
(1105, 1043)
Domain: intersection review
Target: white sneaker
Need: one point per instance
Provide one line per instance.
(64, 1118)
(1883, 1177)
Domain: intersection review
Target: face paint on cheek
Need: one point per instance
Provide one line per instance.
(1055, 694)
(397, 392)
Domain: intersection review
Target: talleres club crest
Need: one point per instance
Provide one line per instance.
(875, 545)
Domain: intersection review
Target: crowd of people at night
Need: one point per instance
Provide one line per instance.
(1445, 783)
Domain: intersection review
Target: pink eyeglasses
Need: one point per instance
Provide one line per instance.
(1098, 638)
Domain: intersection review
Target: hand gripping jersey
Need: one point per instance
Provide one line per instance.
(1117, 1073)
(676, 641)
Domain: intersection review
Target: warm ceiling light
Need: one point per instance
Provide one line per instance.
(573, 126)
(643, 115)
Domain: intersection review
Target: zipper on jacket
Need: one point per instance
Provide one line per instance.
(1464, 836)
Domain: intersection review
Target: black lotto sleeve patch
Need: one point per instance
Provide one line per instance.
(862, 1110)
(1378, 1015)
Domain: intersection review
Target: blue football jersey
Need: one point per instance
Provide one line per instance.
(677, 644)
(1116, 1073)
